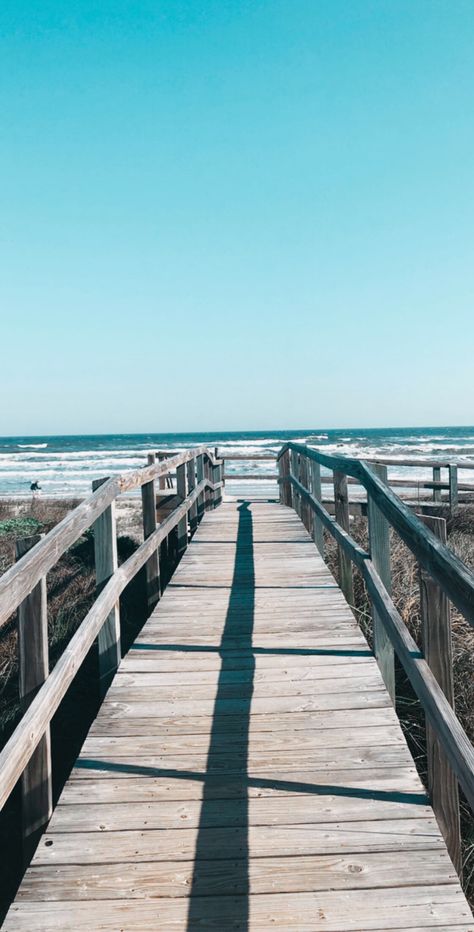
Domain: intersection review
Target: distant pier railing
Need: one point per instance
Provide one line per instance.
(443, 578)
(27, 753)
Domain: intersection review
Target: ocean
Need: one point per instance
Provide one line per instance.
(65, 466)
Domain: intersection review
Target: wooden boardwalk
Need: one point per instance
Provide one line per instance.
(246, 770)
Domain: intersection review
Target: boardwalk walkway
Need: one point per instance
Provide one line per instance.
(246, 770)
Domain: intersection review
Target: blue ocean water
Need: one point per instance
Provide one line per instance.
(66, 466)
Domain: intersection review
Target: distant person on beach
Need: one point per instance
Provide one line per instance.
(35, 487)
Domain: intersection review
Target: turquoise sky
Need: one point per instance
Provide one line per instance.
(236, 214)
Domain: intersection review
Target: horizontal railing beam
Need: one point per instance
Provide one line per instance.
(248, 456)
(447, 569)
(253, 476)
(28, 733)
(441, 716)
(22, 577)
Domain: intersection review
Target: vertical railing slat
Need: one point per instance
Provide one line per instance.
(453, 486)
(284, 471)
(379, 545)
(341, 508)
(152, 567)
(304, 479)
(182, 536)
(318, 534)
(191, 477)
(106, 563)
(438, 653)
(201, 502)
(36, 781)
(436, 478)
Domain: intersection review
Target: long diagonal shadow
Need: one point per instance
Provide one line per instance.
(261, 651)
(241, 782)
(241, 615)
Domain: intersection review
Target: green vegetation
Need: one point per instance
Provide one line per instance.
(20, 527)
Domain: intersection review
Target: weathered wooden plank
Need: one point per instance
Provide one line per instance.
(402, 781)
(327, 807)
(195, 725)
(265, 875)
(424, 907)
(168, 708)
(239, 745)
(320, 758)
(180, 844)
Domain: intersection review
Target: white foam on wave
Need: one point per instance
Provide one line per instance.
(35, 446)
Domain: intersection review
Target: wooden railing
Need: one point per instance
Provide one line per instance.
(27, 753)
(457, 492)
(443, 577)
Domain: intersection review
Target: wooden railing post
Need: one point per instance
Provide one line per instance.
(182, 535)
(217, 476)
(191, 477)
(453, 486)
(379, 546)
(201, 502)
(36, 780)
(437, 650)
(295, 471)
(304, 479)
(436, 478)
(316, 492)
(341, 508)
(284, 470)
(207, 473)
(152, 567)
(106, 563)
(291, 490)
(161, 479)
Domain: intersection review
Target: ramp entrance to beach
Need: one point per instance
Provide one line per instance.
(247, 769)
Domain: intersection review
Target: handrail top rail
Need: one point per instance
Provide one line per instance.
(22, 742)
(450, 572)
(420, 461)
(21, 578)
(194, 451)
(342, 458)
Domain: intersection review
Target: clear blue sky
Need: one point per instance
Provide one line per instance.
(236, 214)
